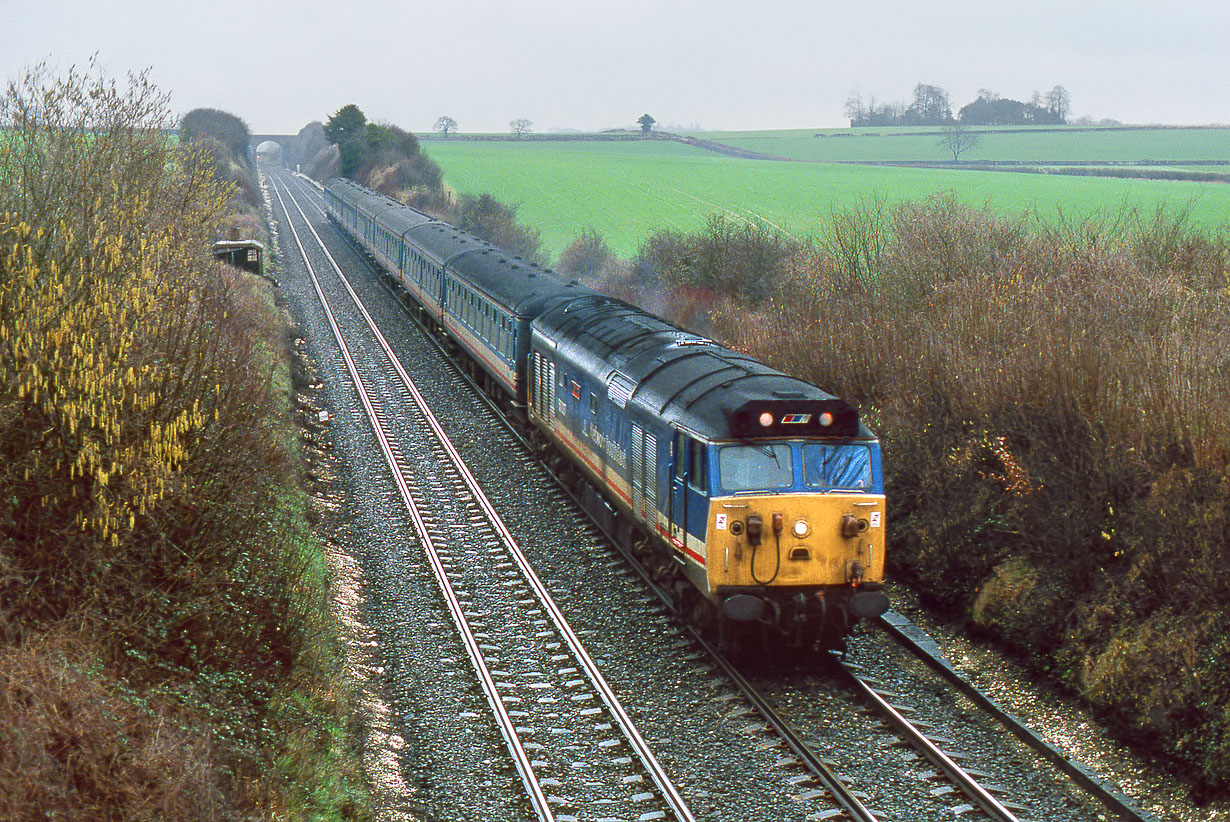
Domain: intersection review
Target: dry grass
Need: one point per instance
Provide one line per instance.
(75, 745)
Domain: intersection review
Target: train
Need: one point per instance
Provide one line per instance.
(753, 497)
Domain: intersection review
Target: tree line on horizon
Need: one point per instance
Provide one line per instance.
(932, 106)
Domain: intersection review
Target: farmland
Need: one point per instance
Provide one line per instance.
(629, 190)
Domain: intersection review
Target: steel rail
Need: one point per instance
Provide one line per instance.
(964, 782)
(521, 759)
(657, 773)
(895, 627)
(1091, 783)
(811, 759)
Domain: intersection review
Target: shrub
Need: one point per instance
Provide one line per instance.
(1054, 401)
(146, 486)
(229, 142)
(77, 744)
(488, 218)
(586, 256)
(739, 259)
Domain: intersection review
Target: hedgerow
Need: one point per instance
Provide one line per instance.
(1053, 396)
(1054, 400)
(163, 624)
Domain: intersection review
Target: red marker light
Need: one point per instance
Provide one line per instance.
(766, 419)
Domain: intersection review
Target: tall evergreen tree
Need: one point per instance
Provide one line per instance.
(347, 123)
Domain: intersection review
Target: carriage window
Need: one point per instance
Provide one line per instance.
(593, 404)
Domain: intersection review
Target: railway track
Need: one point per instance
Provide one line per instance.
(805, 747)
(925, 649)
(570, 741)
(848, 802)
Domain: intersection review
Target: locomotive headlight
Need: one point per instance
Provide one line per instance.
(766, 419)
(800, 528)
(826, 419)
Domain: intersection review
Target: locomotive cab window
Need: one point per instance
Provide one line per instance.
(697, 467)
(830, 467)
(755, 467)
(690, 462)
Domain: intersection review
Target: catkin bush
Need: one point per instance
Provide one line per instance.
(157, 605)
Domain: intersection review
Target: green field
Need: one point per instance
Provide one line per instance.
(629, 190)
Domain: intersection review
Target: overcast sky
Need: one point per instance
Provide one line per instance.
(717, 64)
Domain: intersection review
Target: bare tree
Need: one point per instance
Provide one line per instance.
(854, 107)
(957, 138)
(445, 124)
(1059, 102)
(931, 105)
(520, 126)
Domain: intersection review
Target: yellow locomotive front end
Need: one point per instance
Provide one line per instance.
(795, 541)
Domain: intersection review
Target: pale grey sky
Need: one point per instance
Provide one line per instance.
(757, 64)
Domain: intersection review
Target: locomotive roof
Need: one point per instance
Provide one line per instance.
(515, 284)
(687, 379)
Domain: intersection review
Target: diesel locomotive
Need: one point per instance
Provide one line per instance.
(755, 498)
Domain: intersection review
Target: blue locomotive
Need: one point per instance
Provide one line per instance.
(756, 498)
